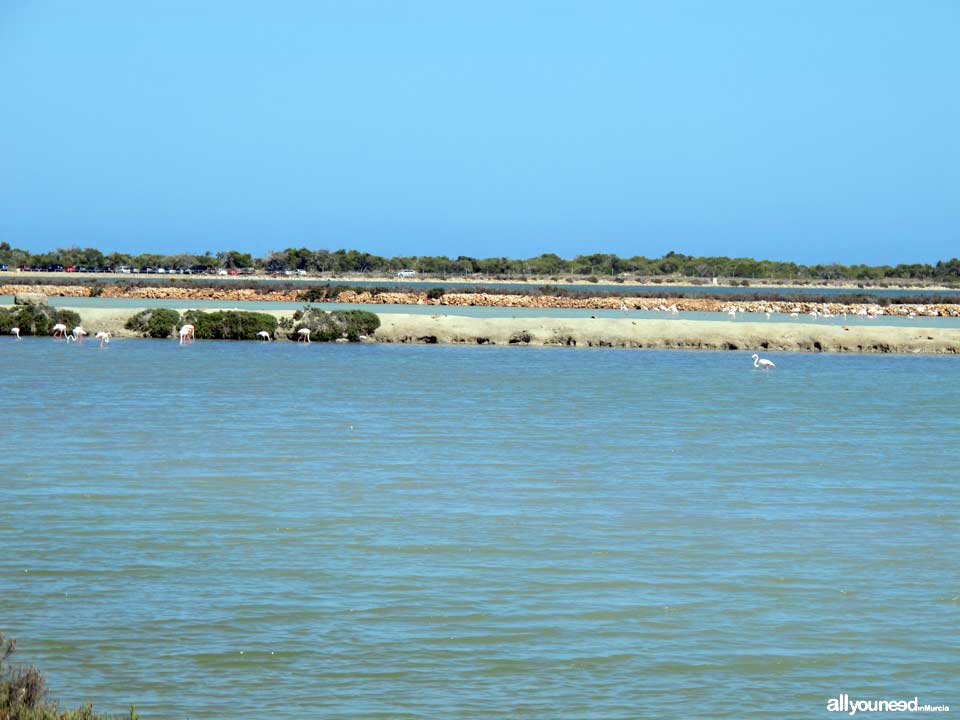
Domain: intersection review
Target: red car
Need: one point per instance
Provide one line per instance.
(70, 268)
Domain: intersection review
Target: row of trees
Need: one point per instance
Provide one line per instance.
(546, 265)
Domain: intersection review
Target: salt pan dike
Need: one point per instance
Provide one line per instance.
(624, 332)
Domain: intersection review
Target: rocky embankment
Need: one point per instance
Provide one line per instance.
(493, 300)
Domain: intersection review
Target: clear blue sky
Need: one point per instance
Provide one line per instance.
(814, 131)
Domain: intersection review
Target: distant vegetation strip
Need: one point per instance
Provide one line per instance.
(328, 292)
(547, 265)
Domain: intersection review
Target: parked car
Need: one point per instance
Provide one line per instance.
(3, 267)
(70, 268)
(406, 273)
(232, 271)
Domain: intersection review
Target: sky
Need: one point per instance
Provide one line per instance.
(811, 131)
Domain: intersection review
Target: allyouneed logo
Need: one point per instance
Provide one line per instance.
(843, 703)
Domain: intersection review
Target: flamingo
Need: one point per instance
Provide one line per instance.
(59, 330)
(186, 334)
(732, 313)
(103, 337)
(15, 331)
(759, 362)
(264, 334)
(623, 307)
(304, 334)
(78, 333)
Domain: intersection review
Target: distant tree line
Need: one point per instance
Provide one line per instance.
(545, 265)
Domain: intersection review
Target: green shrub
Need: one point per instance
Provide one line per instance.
(7, 320)
(35, 319)
(356, 323)
(155, 323)
(436, 293)
(330, 326)
(317, 293)
(229, 324)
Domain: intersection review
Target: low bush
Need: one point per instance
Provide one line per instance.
(36, 319)
(7, 320)
(155, 323)
(329, 293)
(436, 293)
(229, 324)
(330, 326)
(319, 293)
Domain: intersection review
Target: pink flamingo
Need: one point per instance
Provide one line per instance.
(304, 334)
(78, 333)
(759, 362)
(186, 334)
(103, 337)
(59, 330)
(264, 335)
(15, 331)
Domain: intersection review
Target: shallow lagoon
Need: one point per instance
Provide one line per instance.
(244, 530)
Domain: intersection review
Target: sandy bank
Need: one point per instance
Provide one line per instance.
(673, 334)
(624, 333)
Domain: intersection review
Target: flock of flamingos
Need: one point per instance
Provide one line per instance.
(186, 334)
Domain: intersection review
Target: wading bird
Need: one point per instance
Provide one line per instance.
(59, 330)
(103, 337)
(304, 334)
(759, 362)
(264, 334)
(15, 332)
(186, 334)
(78, 333)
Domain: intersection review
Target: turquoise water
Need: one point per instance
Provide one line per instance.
(362, 531)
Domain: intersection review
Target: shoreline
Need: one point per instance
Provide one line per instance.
(666, 334)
